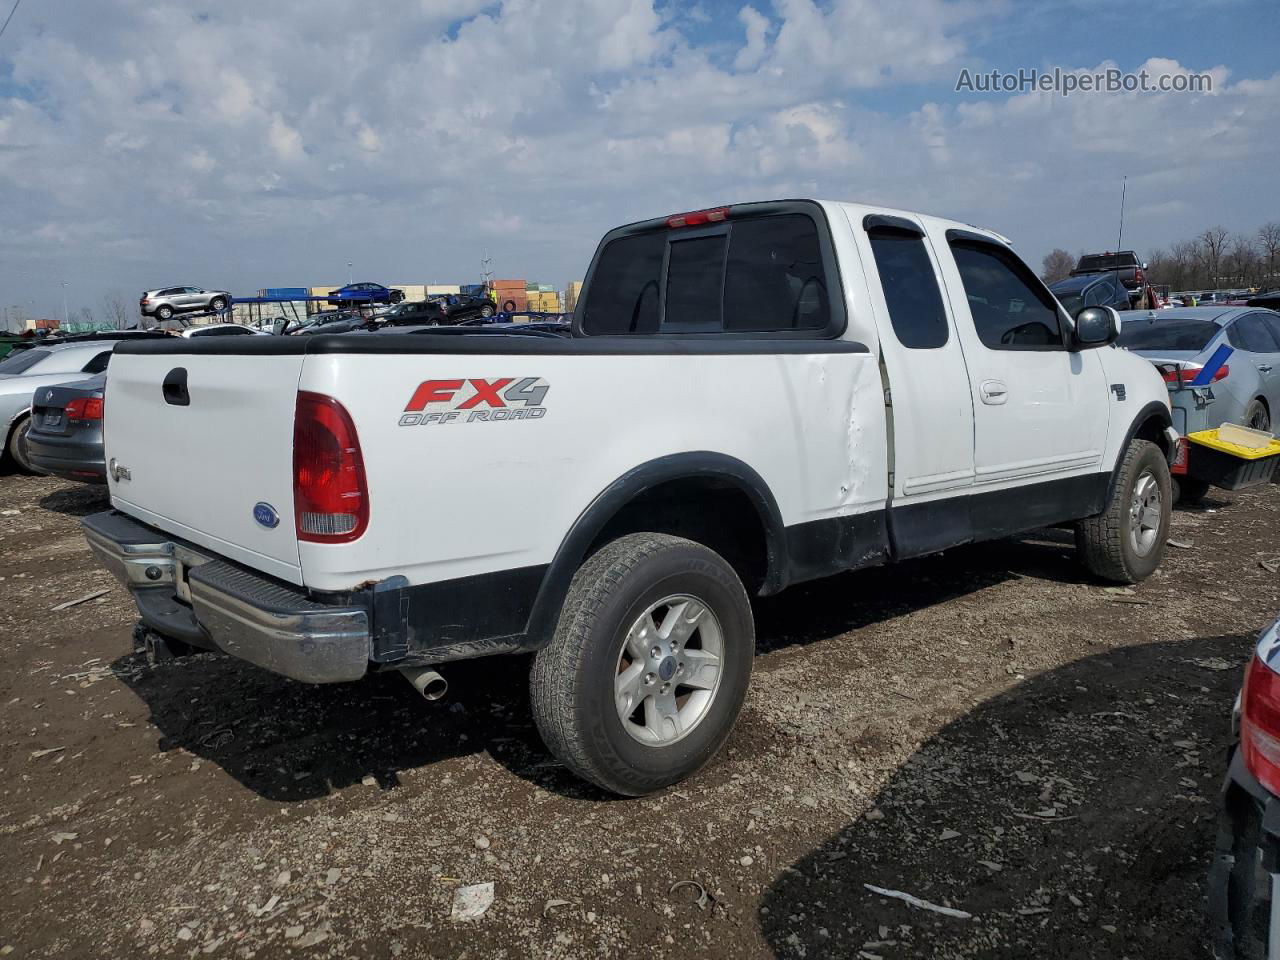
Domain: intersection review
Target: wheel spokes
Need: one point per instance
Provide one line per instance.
(701, 670)
(662, 716)
(628, 688)
(681, 621)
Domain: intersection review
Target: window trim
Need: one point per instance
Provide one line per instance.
(1066, 325)
(838, 320)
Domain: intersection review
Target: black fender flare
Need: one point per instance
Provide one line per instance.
(592, 520)
(1155, 410)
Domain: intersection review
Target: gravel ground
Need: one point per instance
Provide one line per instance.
(987, 730)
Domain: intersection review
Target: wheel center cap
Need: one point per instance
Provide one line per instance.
(667, 668)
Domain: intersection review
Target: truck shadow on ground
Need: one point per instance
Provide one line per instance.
(77, 500)
(289, 741)
(1096, 781)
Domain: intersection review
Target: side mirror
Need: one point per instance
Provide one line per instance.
(1097, 326)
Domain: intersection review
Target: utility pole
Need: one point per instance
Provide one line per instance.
(486, 270)
(64, 303)
(348, 273)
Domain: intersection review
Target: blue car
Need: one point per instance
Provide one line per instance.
(1090, 290)
(355, 294)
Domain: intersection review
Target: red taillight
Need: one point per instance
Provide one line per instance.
(1183, 376)
(1139, 276)
(698, 217)
(330, 495)
(1181, 455)
(1260, 723)
(85, 408)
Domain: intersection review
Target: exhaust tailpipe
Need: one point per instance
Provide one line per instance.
(426, 681)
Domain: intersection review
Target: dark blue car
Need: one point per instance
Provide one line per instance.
(354, 294)
(1090, 290)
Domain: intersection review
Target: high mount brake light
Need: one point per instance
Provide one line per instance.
(330, 492)
(697, 218)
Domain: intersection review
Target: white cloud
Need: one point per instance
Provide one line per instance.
(267, 144)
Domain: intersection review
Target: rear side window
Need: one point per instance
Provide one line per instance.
(764, 274)
(98, 363)
(1160, 334)
(910, 289)
(1252, 333)
(1011, 311)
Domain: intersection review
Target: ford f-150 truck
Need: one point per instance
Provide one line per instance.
(752, 396)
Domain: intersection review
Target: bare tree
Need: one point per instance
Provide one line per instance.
(1269, 241)
(1212, 242)
(117, 311)
(86, 316)
(1056, 265)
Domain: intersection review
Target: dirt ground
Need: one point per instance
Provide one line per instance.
(988, 730)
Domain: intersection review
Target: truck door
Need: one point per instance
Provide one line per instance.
(1040, 409)
(930, 408)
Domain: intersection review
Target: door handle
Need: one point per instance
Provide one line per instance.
(993, 392)
(1264, 367)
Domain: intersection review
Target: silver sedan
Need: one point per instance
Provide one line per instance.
(1222, 364)
(25, 371)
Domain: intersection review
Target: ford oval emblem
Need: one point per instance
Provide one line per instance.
(266, 515)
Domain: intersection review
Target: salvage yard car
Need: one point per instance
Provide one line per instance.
(25, 371)
(65, 435)
(752, 396)
(164, 303)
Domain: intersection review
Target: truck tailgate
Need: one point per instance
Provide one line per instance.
(200, 469)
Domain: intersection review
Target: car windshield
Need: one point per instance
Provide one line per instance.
(20, 361)
(1191, 335)
(1098, 262)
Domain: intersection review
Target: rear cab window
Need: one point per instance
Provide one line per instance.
(755, 270)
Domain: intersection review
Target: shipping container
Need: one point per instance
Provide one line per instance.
(412, 291)
(443, 289)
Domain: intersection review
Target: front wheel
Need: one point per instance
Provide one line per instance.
(1125, 543)
(164, 312)
(487, 311)
(218, 304)
(649, 665)
(1256, 416)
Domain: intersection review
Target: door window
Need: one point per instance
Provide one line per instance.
(1010, 309)
(1101, 292)
(1251, 332)
(910, 288)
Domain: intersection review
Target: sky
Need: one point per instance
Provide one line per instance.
(240, 145)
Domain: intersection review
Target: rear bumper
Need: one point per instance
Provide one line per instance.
(67, 457)
(186, 593)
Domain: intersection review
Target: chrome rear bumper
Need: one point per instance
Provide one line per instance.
(194, 596)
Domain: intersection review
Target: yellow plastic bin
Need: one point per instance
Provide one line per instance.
(1232, 457)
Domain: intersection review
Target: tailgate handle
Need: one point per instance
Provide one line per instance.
(175, 387)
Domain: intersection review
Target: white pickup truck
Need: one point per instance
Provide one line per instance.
(752, 396)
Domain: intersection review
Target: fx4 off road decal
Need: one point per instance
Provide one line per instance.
(467, 401)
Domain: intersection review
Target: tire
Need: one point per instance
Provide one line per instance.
(1107, 544)
(487, 311)
(1187, 490)
(17, 446)
(574, 681)
(164, 312)
(508, 306)
(218, 303)
(1256, 416)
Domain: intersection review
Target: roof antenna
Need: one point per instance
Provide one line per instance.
(1124, 189)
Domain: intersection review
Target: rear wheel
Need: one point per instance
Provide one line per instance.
(649, 665)
(164, 312)
(487, 311)
(218, 303)
(17, 446)
(1125, 543)
(1256, 416)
